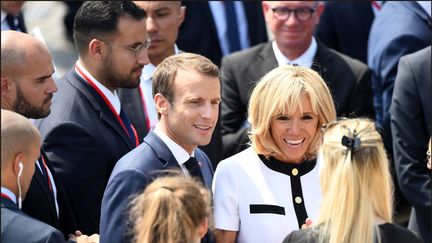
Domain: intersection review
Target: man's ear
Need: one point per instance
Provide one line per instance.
(161, 103)
(182, 15)
(5, 86)
(17, 160)
(97, 48)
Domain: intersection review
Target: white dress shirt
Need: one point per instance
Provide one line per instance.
(110, 95)
(179, 153)
(305, 60)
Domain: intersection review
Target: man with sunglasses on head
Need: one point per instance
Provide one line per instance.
(88, 131)
(292, 24)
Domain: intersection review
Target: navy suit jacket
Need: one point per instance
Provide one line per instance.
(348, 80)
(16, 226)
(198, 32)
(131, 175)
(83, 140)
(345, 26)
(400, 28)
(39, 202)
(411, 121)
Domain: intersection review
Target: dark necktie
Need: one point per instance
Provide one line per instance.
(128, 126)
(10, 19)
(232, 30)
(194, 169)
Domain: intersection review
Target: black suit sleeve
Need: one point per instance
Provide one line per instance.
(234, 112)
(77, 159)
(410, 137)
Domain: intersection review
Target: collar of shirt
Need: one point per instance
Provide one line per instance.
(111, 96)
(4, 24)
(179, 153)
(426, 5)
(305, 60)
(9, 193)
(149, 69)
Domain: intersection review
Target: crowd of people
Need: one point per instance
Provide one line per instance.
(189, 122)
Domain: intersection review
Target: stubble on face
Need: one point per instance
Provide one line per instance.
(118, 80)
(24, 107)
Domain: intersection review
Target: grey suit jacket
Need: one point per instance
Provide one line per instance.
(349, 81)
(83, 140)
(411, 124)
(16, 226)
(131, 175)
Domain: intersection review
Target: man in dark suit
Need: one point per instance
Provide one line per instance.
(20, 149)
(292, 24)
(163, 22)
(345, 26)
(411, 120)
(12, 17)
(87, 132)
(400, 28)
(186, 88)
(27, 88)
(201, 31)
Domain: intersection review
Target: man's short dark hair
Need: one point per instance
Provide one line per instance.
(96, 19)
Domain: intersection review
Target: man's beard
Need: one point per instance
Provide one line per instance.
(117, 80)
(24, 107)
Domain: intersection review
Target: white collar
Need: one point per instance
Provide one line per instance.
(149, 69)
(111, 96)
(305, 60)
(3, 15)
(9, 193)
(426, 5)
(179, 153)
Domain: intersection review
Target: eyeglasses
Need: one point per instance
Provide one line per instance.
(302, 14)
(137, 50)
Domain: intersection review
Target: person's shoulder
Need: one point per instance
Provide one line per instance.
(21, 226)
(246, 156)
(393, 233)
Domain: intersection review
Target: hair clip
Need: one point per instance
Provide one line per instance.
(351, 143)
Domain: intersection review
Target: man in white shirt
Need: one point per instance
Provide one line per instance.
(88, 131)
(187, 96)
(163, 21)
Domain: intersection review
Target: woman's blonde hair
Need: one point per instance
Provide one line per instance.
(355, 182)
(279, 92)
(170, 210)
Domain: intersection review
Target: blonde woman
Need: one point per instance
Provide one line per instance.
(172, 209)
(268, 190)
(357, 189)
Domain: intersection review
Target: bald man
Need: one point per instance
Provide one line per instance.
(27, 88)
(20, 148)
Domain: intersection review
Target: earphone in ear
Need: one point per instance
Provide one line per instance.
(21, 167)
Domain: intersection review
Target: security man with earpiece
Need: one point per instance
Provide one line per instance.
(20, 148)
